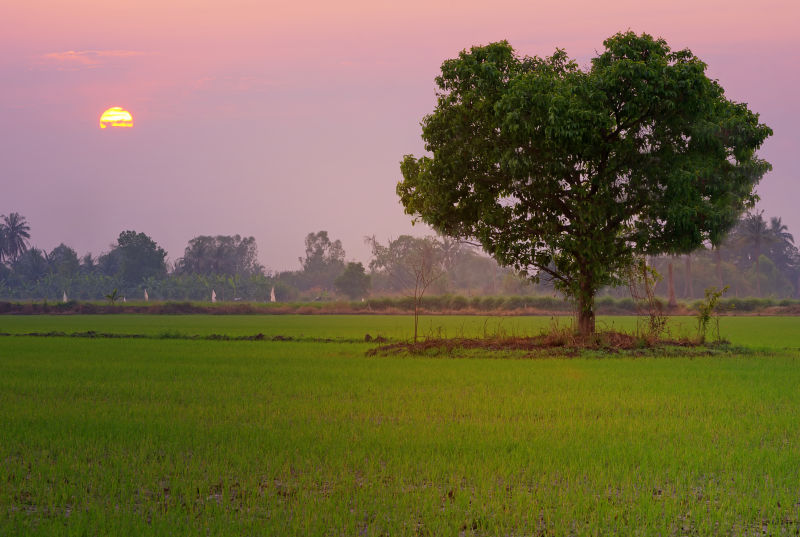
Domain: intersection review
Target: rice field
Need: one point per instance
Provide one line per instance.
(309, 436)
(753, 331)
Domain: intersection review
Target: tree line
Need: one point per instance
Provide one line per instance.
(758, 258)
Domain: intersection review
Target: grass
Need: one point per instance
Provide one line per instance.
(181, 437)
(759, 332)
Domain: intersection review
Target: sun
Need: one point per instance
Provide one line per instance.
(116, 117)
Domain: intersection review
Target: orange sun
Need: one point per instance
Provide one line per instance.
(116, 117)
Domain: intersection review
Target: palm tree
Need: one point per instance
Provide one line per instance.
(755, 233)
(780, 232)
(15, 234)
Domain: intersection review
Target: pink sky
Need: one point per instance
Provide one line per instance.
(277, 119)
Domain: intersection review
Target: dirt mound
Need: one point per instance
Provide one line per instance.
(562, 343)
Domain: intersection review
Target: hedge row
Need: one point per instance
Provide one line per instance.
(431, 304)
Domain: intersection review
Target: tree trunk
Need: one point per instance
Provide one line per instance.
(416, 319)
(586, 323)
(673, 302)
(758, 275)
(718, 263)
(687, 285)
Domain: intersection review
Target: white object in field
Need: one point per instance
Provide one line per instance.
(124, 299)
(64, 298)
(272, 294)
(213, 296)
(146, 298)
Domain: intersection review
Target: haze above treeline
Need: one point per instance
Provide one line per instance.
(758, 258)
(273, 121)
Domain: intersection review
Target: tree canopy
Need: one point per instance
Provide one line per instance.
(323, 262)
(14, 236)
(139, 258)
(570, 174)
(353, 281)
(222, 254)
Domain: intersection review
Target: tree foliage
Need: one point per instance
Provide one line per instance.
(323, 262)
(402, 258)
(222, 254)
(353, 282)
(137, 257)
(570, 173)
(30, 265)
(63, 261)
(14, 236)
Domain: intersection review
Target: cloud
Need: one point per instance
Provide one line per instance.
(72, 60)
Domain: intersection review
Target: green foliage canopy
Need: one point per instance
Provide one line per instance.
(222, 254)
(14, 236)
(571, 173)
(139, 258)
(323, 263)
(353, 281)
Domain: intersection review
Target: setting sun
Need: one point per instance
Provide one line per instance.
(116, 117)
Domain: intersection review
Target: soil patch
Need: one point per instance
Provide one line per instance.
(561, 343)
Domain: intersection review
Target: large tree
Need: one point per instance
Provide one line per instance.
(570, 173)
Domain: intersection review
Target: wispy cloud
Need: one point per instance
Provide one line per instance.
(85, 59)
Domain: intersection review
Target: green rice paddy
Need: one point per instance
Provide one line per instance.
(760, 332)
(166, 436)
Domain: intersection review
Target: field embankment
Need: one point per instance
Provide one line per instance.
(752, 331)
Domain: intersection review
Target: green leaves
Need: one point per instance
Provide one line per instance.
(571, 173)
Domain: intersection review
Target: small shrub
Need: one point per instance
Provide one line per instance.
(459, 303)
(706, 311)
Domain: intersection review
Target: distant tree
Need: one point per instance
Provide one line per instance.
(399, 256)
(570, 174)
(782, 249)
(110, 263)
(413, 264)
(323, 262)
(14, 236)
(88, 264)
(780, 231)
(353, 282)
(63, 260)
(473, 271)
(136, 257)
(30, 266)
(5, 276)
(784, 253)
(754, 235)
(223, 254)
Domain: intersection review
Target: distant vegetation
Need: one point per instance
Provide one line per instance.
(758, 259)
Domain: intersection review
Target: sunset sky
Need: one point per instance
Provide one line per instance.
(275, 119)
